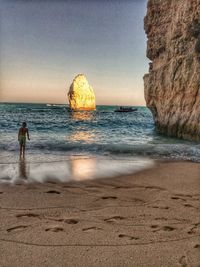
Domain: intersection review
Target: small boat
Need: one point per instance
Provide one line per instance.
(125, 109)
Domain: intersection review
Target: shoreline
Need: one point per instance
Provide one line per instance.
(149, 218)
(78, 167)
(70, 169)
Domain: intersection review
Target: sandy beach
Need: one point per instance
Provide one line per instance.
(150, 218)
(100, 133)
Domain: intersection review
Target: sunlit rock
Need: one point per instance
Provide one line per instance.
(81, 95)
(172, 86)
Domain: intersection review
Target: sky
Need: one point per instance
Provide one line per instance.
(44, 44)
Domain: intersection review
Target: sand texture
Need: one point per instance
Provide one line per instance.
(151, 218)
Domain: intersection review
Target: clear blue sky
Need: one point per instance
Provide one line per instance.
(44, 44)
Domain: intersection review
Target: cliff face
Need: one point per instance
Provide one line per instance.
(172, 87)
(81, 95)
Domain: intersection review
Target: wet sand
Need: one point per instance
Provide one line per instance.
(150, 218)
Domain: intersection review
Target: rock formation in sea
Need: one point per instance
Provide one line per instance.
(81, 95)
(172, 86)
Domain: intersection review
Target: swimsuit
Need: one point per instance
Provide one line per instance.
(22, 140)
(22, 136)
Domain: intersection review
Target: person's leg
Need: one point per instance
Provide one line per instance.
(20, 150)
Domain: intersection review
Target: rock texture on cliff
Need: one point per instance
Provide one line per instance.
(81, 95)
(172, 87)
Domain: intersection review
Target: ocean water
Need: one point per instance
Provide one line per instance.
(106, 137)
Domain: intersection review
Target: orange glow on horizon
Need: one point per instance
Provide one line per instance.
(29, 90)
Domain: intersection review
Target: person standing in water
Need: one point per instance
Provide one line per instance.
(23, 131)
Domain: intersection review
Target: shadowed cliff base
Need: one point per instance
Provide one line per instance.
(172, 87)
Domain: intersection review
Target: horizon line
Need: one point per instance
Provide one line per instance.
(46, 103)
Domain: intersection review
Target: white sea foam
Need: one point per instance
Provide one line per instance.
(73, 169)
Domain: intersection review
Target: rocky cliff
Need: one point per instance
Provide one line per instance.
(81, 95)
(172, 87)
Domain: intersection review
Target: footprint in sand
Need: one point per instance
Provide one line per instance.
(71, 187)
(160, 207)
(17, 228)
(138, 200)
(108, 197)
(193, 228)
(154, 226)
(114, 219)
(183, 261)
(54, 229)
(183, 195)
(128, 237)
(188, 205)
(123, 187)
(168, 228)
(191, 231)
(155, 188)
(69, 221)
(165, 228)
(33, 215)
(52, 192)
(178, 198)
(91, 229)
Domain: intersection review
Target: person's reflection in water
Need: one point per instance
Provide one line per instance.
(23, 170)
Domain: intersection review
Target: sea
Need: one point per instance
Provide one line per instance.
(66, 145)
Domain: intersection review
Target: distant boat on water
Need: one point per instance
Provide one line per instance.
(125, 109)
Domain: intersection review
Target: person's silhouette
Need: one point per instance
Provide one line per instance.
(23, 131)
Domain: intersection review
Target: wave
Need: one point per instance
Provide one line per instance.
(168, 151)
(99, 132)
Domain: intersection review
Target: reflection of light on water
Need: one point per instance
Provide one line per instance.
(78, 169)
(81, 133)
(82, 169)
(81, 115)
(82, 136)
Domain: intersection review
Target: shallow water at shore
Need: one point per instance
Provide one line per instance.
(72, 169)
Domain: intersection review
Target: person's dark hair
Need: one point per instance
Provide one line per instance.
(24, 124)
